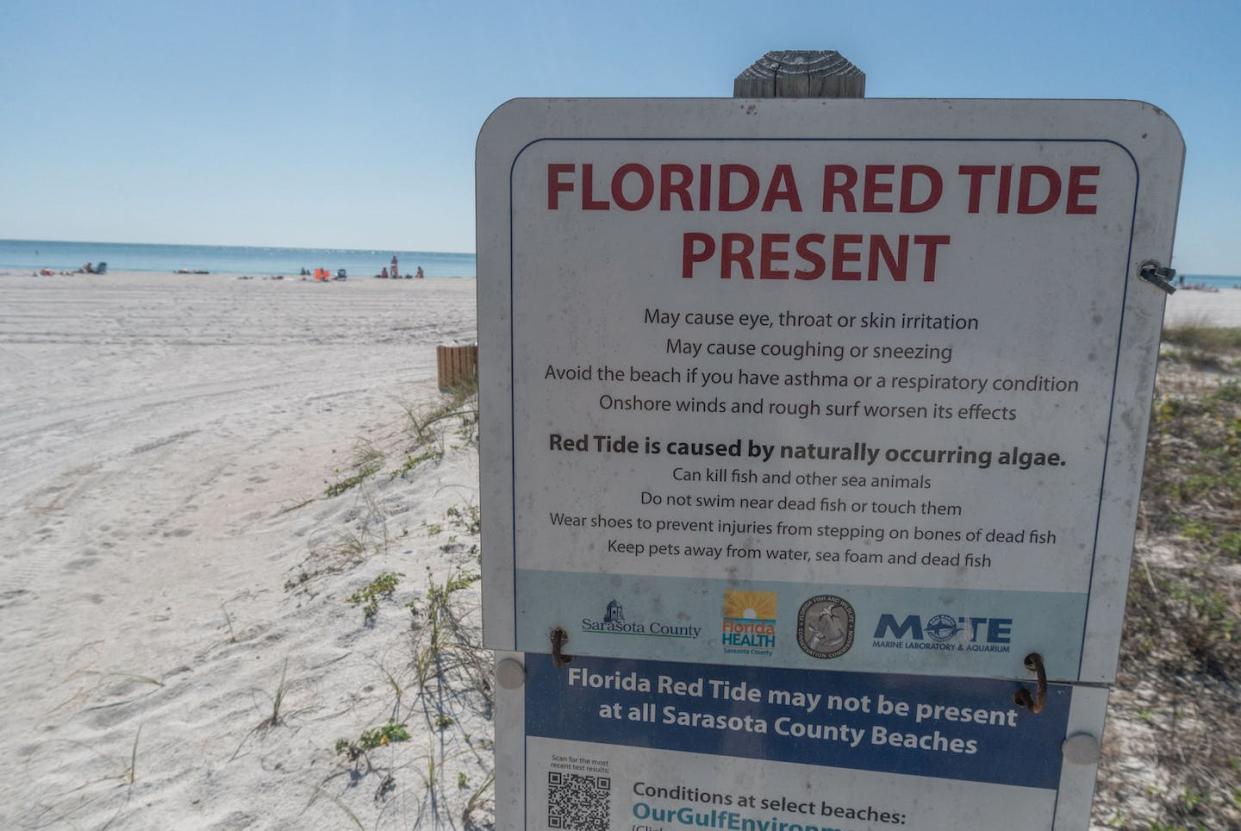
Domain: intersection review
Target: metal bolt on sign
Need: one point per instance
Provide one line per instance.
(510, 673)
(559, 637)
(1159, 275)
(1022, 698)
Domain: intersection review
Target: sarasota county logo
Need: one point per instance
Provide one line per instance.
(749, 626)
(614, 622)
(825, 626)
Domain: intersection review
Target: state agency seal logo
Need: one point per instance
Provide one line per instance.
(825, 626)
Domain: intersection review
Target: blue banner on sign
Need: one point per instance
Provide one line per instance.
(947, 728)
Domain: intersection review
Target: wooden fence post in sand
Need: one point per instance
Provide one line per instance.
(800, 73)
(457, 367)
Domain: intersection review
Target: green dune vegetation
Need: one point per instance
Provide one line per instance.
(1172, 752)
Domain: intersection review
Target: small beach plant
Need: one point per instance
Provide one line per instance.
(368, 596)
(381, 736)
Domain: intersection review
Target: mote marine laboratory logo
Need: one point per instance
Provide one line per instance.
(749, 626)
(943, 627)
(825, 626)
(945, 633)
(613, 622)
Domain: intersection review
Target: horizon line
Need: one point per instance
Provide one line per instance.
(243, 245)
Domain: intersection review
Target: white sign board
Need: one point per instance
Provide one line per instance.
(619, 744)
(858, 385)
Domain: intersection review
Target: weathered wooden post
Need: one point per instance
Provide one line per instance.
(801, 73)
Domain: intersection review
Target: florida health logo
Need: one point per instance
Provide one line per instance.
(945, 632)
(613, 622)
(749, 626)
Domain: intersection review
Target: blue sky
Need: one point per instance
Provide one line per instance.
(352, 124)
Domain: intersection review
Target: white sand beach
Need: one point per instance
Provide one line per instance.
(168, 554)
(1221, 308)
(165, 444)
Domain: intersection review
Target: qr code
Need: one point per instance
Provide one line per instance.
(577, 802)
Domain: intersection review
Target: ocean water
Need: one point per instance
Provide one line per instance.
(1211, 281)
(25, 256)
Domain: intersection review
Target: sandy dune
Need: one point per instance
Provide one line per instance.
(152, 428)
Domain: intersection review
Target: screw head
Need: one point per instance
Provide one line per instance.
(1081, 749)
(510, 673)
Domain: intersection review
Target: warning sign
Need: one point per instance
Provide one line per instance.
(859, 385)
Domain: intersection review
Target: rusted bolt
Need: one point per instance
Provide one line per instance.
(559, 638)
(1022, 698)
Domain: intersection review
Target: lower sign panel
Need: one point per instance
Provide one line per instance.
(642, 745)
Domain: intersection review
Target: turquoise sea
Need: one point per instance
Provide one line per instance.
(1212, 281)
(25, 256)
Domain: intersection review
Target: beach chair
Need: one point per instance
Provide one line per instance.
(102, 268)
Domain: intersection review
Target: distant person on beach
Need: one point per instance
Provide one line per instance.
(418, 275)
(1180, 281)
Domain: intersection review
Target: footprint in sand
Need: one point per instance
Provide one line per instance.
(14, 597)
(236, 821)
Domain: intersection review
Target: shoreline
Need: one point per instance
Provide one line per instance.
(258, 275)
(26, 256)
